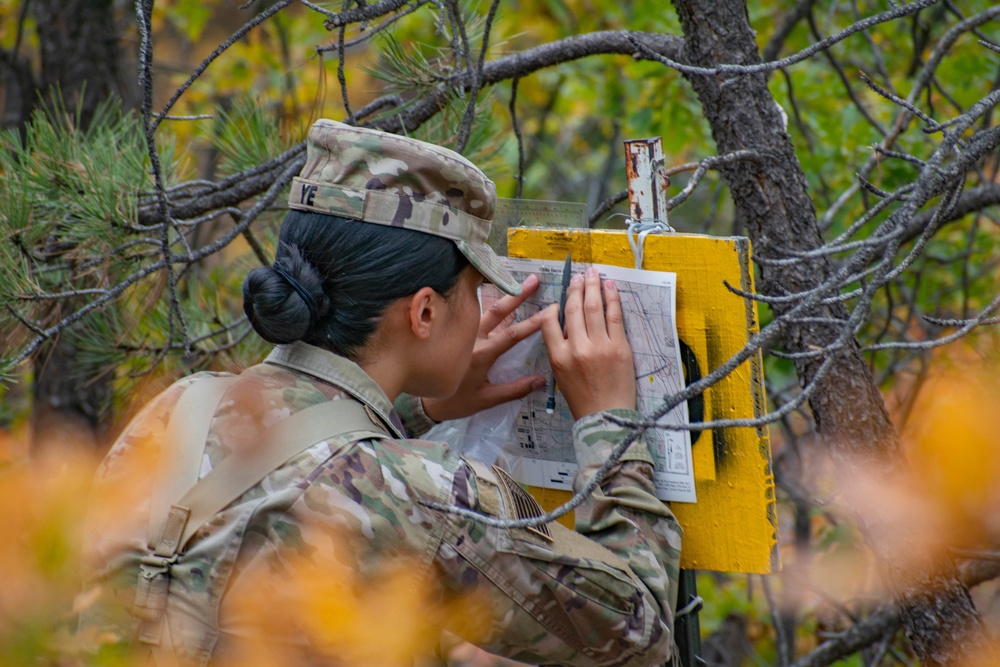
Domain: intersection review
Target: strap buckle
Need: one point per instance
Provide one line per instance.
(151, 588)
(153, 565)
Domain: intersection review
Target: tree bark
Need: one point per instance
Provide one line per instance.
(17, 89)
(82, 65)
(80, 53)
(773, 205)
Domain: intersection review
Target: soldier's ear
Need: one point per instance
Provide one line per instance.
(423, 310)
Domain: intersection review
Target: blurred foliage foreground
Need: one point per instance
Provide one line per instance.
(44, 514)
(44, 506)
(73, 202)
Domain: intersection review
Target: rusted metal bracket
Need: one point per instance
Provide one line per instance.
(647, 192)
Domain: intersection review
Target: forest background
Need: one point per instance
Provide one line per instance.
(854, 142)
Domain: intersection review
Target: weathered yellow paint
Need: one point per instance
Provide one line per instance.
(733, 526)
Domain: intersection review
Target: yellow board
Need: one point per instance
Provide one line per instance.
(733, 526)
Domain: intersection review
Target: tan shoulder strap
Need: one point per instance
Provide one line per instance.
(181, 453)
(179, 516)
(184, 445)
(238, 472)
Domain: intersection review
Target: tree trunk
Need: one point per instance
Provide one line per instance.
(81, 65)
(81, 56)
(773, 205)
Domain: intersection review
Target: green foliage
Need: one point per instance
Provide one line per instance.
(79, 186)
(246, 135)
(69, 200)
(69, 232)
(405, 70)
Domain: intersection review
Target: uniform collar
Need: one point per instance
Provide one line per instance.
(338, 371)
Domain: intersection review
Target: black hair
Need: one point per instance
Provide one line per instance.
(333, 279)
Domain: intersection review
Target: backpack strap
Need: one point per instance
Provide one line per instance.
(240, 471)
(187, 433)
(183, 445)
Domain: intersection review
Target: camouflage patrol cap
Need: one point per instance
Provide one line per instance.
(386, 179)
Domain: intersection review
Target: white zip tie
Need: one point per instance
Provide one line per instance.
(642, 230)
(694, 605)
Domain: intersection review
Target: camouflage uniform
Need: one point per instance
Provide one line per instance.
(307, 551)
(569, 600)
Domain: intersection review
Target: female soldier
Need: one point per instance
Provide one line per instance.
(302, 469)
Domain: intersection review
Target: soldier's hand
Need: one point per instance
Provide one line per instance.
(592, 362)
(497, 334)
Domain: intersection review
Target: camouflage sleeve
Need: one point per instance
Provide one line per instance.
(623, 513)
(560, 598)
(411, 411)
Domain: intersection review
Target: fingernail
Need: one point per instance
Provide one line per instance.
(610, 285)
(591, 272)
(537, 383)
(530, 280)
(577, 279)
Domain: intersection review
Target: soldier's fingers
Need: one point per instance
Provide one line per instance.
(575, 325)
(613, 312)
(593, 305)
(509, 336)
(504, 392)
(552, 334)
(501, 309)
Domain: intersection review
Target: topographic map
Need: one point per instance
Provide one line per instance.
(542, 451)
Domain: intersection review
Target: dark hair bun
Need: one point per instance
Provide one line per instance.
(284, 302)
(334, 278)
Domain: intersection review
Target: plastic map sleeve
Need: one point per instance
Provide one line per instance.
(541, 451)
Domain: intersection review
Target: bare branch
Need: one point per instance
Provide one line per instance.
(465, 128)
(341, 77)
(526, 62)
(903, 118)
(320, 10)
(801, 10)
(242, 186)
(901, 102)
(376, 105)
(989, 45)
(364, 12)
(368, 34)
(884, 620)
(835, 64)
(230, 191)
(703, 167)
(512, 106)
(699, 168)
(219, 50)
(952, 322)
(606, 206)
(965, 327)
(143, 10)
(890, 15)
(779, 627)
